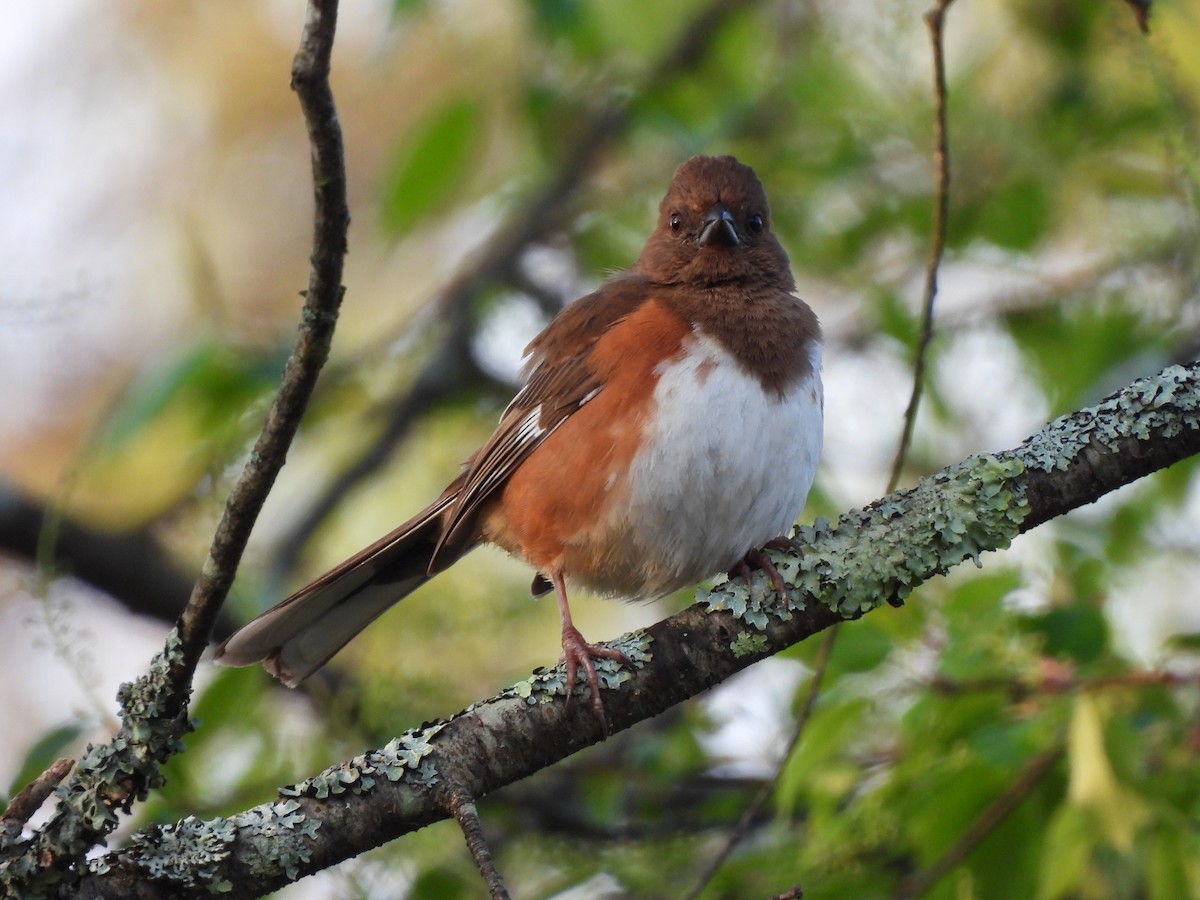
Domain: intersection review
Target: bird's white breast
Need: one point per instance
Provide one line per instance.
(726, 466)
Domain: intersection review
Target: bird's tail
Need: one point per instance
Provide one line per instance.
(298, 635)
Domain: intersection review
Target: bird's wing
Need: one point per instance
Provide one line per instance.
(559, 379)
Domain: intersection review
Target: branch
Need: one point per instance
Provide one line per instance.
(30, 799)
(130, 566)
(838, 571)
(111, 777)
(310, 81)
(935, 20)
(919, 883)
(1058, 679)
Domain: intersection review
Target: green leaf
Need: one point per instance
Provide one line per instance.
(828, 735)
(1005, 865)
(1006, 743)
(959, 791)
(432, 167)
(1189, 642)
(1074, 632)
(859, 647)
(1166, 874)
(212, 379)
(440, 884)
(1103, 339)
(408, 7)
(1015, 216)
(557, 17)
(1065, 854)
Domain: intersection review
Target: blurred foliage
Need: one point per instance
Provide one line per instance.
(1072, 255)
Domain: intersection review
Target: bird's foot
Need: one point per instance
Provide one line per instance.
(756, 559)
(579, 654)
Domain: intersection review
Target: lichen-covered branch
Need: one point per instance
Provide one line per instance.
(838, 571)
(112, 776)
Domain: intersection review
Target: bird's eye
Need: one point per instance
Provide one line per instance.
(755, 224)
(676, 221)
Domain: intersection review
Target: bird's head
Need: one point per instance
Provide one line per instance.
(714, 226)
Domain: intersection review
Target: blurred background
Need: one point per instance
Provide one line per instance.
(504, 157)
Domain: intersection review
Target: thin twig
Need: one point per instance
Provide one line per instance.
(460, 805)
(751, 813)
(113, 776)
(310, 81)
(983, 825)
(31, 797)
(1054, 684)
(935, 20)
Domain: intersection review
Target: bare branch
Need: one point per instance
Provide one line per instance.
(984, 824)
(462, 808)
(30, 798)
(935, 20)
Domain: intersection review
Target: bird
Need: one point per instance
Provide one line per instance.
(669, 425)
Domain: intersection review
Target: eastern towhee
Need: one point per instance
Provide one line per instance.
(669, 425)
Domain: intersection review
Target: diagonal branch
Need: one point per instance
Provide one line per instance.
(111, 777)
(310, 81)
(919, 883)
(838, 571)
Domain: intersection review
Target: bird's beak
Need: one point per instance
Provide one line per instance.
(718, 228)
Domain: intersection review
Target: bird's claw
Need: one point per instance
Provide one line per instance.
(579, 654)
(756, 559)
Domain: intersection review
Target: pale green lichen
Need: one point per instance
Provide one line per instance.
(281, 836)
(748, 644)
(546, 684)
(1166, 403)
(945, 519)
(193, 853)
(399, 759)
(189, 853)
(108, 778)
(755, 602)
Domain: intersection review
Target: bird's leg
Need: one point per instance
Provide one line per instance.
(756, 559)
(578, 653)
